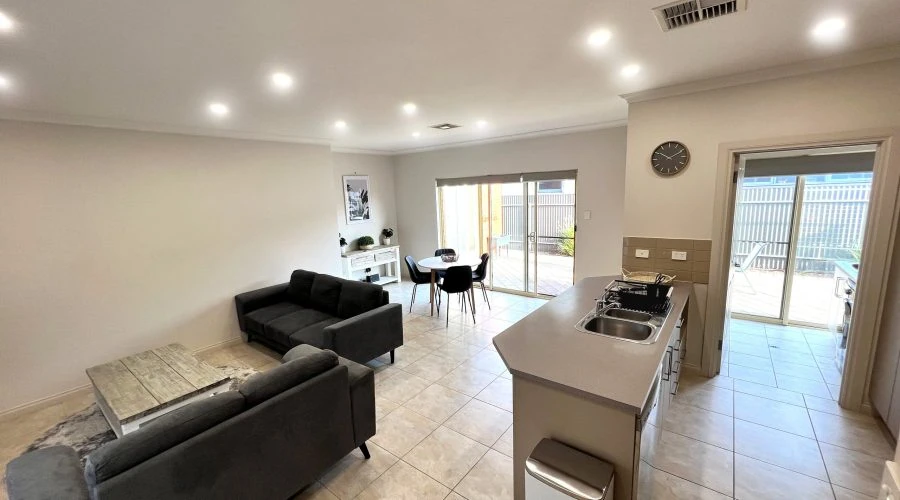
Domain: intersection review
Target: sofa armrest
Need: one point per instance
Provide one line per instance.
(45, 474)
(257, 299)
(370, 334)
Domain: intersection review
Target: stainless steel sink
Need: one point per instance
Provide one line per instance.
(623, 329)
(628, 314)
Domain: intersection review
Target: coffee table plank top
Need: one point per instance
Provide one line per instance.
(137, 385)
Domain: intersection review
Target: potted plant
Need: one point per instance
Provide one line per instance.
(344, 245)
(386, 235)
(366, 242)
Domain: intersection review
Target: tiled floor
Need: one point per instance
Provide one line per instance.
(772, 429)
(445, 425)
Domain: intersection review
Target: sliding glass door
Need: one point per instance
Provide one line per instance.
(525, 222)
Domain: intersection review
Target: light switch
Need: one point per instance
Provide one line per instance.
(642, 254)
(587, 215)
(679, 255)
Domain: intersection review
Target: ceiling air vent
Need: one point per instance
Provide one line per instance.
(446, 126)
(687, 12)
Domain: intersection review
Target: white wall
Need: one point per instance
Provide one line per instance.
(682, 207)
(380, 170)
(114, 242)
(599, 157)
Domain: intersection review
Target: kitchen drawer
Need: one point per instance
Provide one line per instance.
(385, 256)
(362, 261)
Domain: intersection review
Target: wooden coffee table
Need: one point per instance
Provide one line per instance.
(135, 390)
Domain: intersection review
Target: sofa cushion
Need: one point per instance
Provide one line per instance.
(161, 434)
(326, 293)
(280, 329)
(46, 474)
(357, 298)
(256, 320)
(300, 287)
(263, 386)
(315, 335)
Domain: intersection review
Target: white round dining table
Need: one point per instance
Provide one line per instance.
(435, 264)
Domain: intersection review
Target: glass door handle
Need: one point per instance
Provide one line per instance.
(531, 236)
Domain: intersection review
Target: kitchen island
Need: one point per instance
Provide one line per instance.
(591, 392)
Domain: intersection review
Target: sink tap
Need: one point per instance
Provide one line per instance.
(605, 303)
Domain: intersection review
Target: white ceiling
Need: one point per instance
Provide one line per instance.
(523, 65)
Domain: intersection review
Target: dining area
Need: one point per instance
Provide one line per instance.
(448, 273)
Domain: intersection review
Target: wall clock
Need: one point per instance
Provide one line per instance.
(670, 158)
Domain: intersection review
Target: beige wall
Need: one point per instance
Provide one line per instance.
(682, 207)
(598, 156)
(380, 170)
(114, 242)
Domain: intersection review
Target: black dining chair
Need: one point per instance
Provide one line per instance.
(480, 274)
(457, 279)
(417, 277)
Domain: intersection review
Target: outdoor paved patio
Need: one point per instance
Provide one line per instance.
(555, 272)
(813, 299)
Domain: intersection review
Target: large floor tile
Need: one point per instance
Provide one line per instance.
(446, 455)
(709, 397)
(655, 484)
(490, 479)
(852, 433)
(431, 367)
(800, 358)
(488, 361)
(505, 443)
(401, 430)
(853, 470)
(769, 392)
(841, 493)
(354, 473)
(383, 406)
(781, 344)
(696, 461)
(406, 355)
(467, 380)
(754, 479)
(774, 414)
(797, 370)
(314, 491)
(751, 349)
(457, 350)
(831, 406)
(498, 393)
(693, 379)
(780, 448)
(437, 402)
(737, 358)
(480, 421)
(404, 482)
(703, 425)
(401, 387)
(802, 385)
(764, 377)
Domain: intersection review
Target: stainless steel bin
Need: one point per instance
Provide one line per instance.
(555, 471)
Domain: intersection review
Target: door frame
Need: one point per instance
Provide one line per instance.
(876, 252)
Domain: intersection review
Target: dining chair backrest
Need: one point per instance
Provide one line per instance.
(414, 274)
(457, 279)
(444, 251)
(481, 270)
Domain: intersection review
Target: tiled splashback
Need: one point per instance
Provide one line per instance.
(694, 268)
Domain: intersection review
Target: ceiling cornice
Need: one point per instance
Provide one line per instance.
(361, 151)
(119, 124)
(767, 74)
(516, 137)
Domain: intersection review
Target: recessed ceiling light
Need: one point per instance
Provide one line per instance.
(340, 125)
(282, 81)
(410, 108)
(599, 38)
(6, 23)
(631, 70)
(481, 124)
(417, 134)
(218, 109)
(829, 29)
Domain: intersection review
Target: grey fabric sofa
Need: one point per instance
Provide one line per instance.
(268, 440)
(353, 319)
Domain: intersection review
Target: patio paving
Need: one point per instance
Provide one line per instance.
(555, 272)
(813, 299)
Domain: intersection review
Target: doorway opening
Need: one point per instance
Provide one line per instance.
(797, 239)
(525, 222)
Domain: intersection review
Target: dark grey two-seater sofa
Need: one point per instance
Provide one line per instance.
(354, 319)
(268, 440)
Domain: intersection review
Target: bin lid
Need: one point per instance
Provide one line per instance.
(570, 471)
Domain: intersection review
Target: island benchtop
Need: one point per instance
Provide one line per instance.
(546, 348)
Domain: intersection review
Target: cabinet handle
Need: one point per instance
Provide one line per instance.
(667, 370)
(674, 388)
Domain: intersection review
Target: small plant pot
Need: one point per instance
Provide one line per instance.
(366, 247)
(343, 249)
(385, 241)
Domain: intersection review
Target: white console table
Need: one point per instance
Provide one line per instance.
(387, 256)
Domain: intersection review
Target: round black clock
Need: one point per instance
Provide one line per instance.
(669, 158)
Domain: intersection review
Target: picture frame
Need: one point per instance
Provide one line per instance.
(357, 199)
